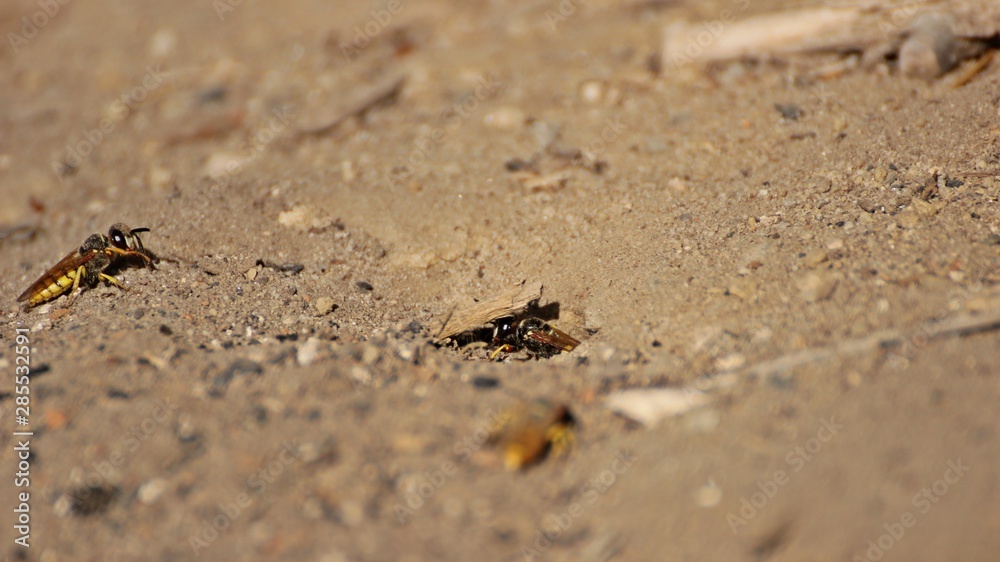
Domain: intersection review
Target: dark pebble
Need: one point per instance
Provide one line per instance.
(486, 382)
(239, 367)
(868, 205)
(517, 164)
(92, 500)
(119, 394)
(789, 111)
(212, 95)
(219, 384)
(364, 285)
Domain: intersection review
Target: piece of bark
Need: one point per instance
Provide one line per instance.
(510, 302)
(756, 37)
(354, 104)
(871, 28)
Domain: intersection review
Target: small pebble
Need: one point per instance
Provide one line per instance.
(708, 495)
(307, 352)
(649, 405)
(347, 172)
(815, 257)
(816, 286)
(819, 184)
(745, 288)
(223, 165)
(867, 205)
(186, 431)
(592, 91)
(730, 362)
(361, 375)
(931, 49)
(162, 43)
(305, 218)
(485, 382)
(364, 286)
(789, 111)
(593, 320)
(324, 305)
(152, 490)
(545, 133)
(505, 118)
(369, 355)
(92, 500)
(406, 352)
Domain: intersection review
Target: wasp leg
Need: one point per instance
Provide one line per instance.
(76, 290)
(128, 253)
(505, 348)
(110, 279)
(561, 439)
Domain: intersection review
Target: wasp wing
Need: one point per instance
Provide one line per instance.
(553, 337)
(71, 262)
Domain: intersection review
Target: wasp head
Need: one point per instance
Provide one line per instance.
(125, 238)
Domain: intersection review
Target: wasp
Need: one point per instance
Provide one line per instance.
(533, 334)
(534, 431)
(85, 266)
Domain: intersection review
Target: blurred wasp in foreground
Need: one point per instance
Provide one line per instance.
(534, 431)
(532, 334)
(85, 266)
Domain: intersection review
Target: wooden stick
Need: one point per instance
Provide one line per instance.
(954, 327)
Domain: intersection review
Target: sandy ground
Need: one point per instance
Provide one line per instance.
(227, 407)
